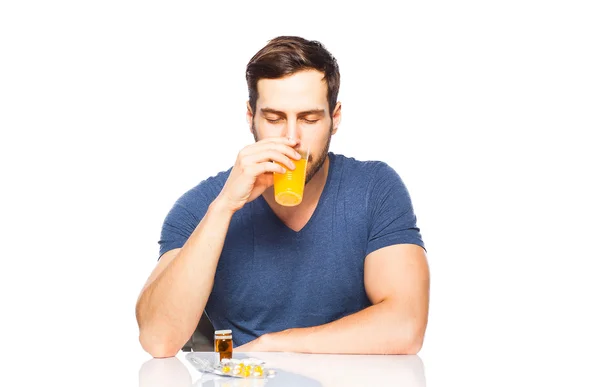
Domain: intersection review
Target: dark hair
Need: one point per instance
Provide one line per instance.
(286, 55)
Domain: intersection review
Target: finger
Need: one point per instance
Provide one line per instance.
(268, 143)
(268, 179)
(279, 140)
(265, 167)
(281, 148)
(271, 155)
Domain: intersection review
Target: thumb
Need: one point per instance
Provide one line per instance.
(269, 180)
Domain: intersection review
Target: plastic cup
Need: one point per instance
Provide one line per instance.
(289, 186)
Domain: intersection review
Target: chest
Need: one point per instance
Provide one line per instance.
(267, 270)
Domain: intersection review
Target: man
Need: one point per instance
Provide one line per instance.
(344, 271)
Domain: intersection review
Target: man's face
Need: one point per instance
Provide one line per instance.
(296, 107)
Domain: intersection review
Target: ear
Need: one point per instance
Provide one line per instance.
(337, 116)
(249, 115)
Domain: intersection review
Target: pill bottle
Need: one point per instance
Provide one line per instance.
(223, 344)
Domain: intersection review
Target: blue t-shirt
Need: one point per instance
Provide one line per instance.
(270, 277)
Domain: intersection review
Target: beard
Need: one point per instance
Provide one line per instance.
(312, 166)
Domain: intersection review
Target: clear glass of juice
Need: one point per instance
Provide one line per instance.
(289, 186)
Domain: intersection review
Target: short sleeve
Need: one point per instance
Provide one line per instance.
(183, 218)
(176, 229)
(390, 210)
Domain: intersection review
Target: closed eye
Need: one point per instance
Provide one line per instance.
(277, 120)
(310, 121)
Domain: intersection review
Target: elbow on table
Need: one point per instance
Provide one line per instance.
(408, 344)
(414, 346)
(158, 347)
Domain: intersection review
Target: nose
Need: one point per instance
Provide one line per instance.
(292, 131)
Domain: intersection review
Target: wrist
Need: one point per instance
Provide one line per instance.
(272, 342)
(221, 206)
(282, 341)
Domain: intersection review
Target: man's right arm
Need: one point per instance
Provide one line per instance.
(173, 299)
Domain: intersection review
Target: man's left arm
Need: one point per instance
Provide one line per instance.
(397, 284)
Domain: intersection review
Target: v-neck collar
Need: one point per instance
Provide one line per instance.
(315, 213)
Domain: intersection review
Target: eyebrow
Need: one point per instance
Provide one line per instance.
(304, 113)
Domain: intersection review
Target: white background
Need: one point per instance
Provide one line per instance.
(110, 110)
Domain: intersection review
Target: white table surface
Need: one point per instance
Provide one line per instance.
(293, 369)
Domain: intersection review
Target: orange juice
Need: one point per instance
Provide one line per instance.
(289, 187)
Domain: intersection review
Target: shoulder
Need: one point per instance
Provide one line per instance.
(375, 179)
(365, 170)
(203, 193)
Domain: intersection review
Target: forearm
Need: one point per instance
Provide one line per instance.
(379, 329)
(170, 307)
